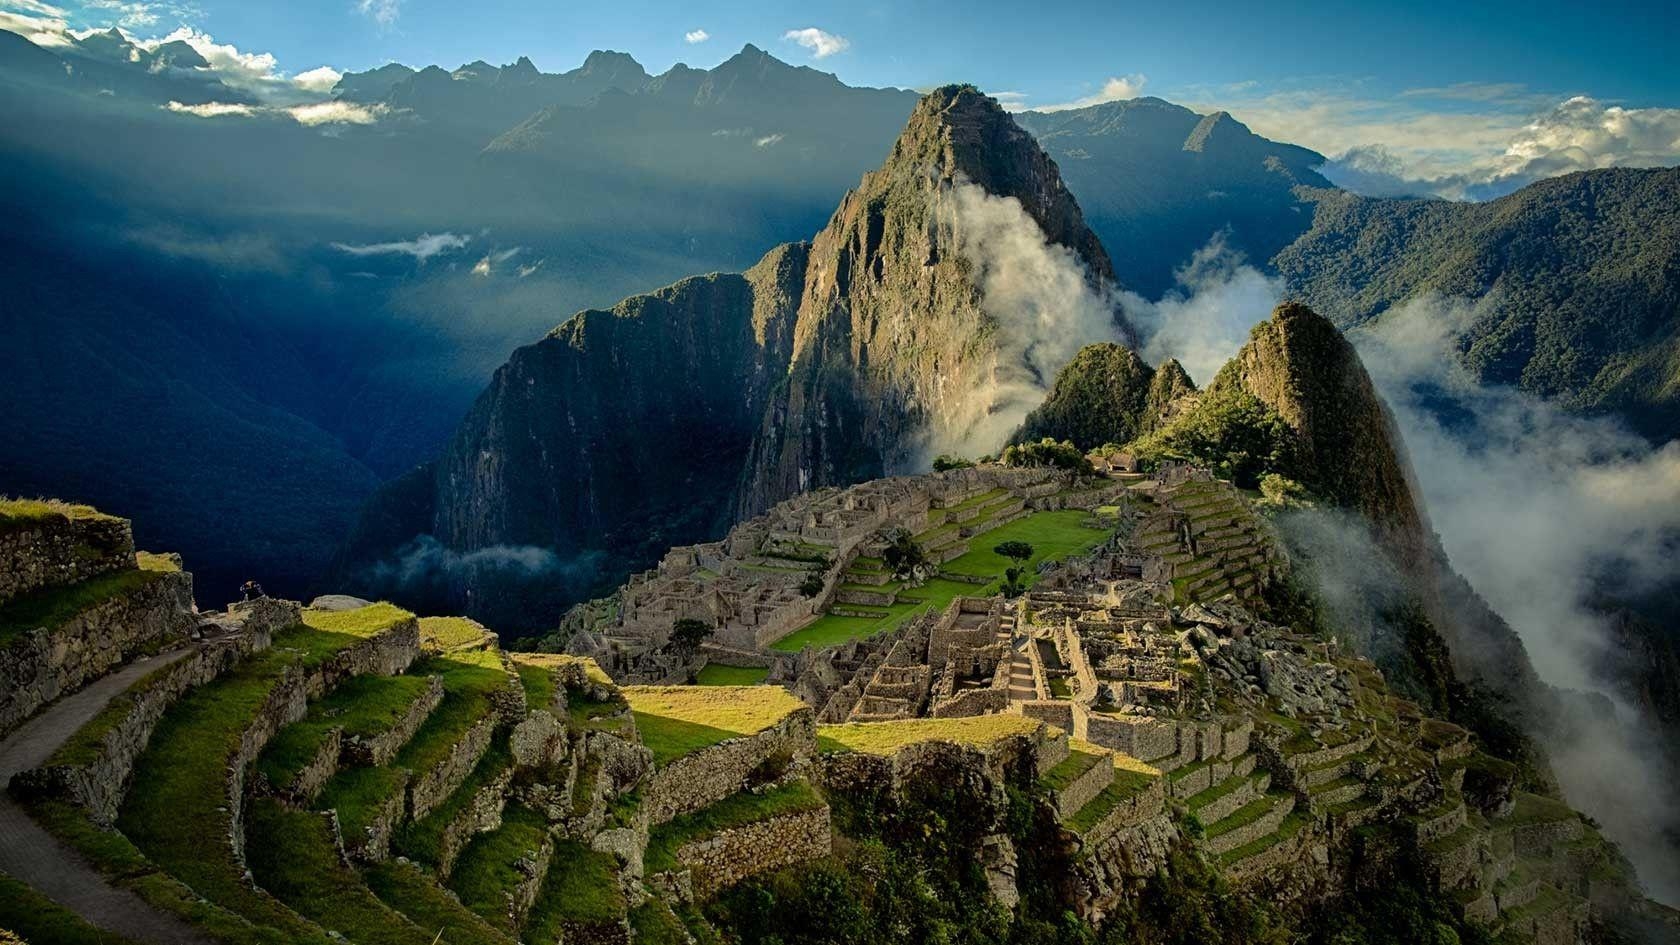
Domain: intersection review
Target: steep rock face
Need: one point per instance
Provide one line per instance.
(1106, 394)
(894, 344)
(544, 458)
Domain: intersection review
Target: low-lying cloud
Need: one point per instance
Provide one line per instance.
(422, 248)
(1114, 89)
(1044, 304)
(821, 43)
(1543, 511)
(1206, 318)
(310, 116)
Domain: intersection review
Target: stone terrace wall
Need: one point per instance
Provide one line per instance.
(713, 773)
(48, 662)
(63, 550)
(387, 654)
(99, 783)
(725, 858)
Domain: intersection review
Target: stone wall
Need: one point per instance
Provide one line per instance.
(62, 550)
(48, 662)
(1142, 737)
(729, 856)
(98, 782)
(381, 748)
(481, 814)
(433, 787)
(713, 773)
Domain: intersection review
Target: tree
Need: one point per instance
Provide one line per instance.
(688, 633)
(812, 585)
(903, 557)
(1048, 452)
(1012, 584)
(1014, 550)
(946, 461)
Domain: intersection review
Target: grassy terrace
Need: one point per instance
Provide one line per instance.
(732, 811)
(51, 607)
(1071, 768)
(1291, 825)
(442, 634)
(175, 812)
(537, 679)
(422, 839)
(469, 677)
(581, 886)
(1052, 534)
(490, 865)
(718, 674)
(291, 854)
(885, 738)
(364, 706)
(1245, 815)
(19, 514)
(678, 720)
(1131, 777)
(403, 887)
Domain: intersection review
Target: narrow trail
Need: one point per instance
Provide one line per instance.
(30, 854)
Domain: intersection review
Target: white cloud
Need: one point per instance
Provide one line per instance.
(821, 43)
(336, 113)
(525, 271)
(242, 70)
(138, 14)
(768, 140)
(320, 80)
(422, 248)
(696, 36)
(1206, 318)
(383, 12)
(41, 23)
(213, 109)
(1114, 89)
(491, 260)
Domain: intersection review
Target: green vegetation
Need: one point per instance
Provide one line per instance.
(451, 633)
(1072, 768)
(490, 865)
(364, 706)
(403, 887)
(422, 840)
(946, 461)
(88, 743)
(52, 607)
(147, 561)
(1131, 777)
(360, 795)
(678, 720)
(1228, 430)
(720, 674)
(292, 855)
(885, 738)
(1047, 452)
(581, 887)
(35, 918)
(176, 810)
(362, 621)
(469, 677)
(654, 923)
(688, 633)
(18, 514)
(537, 680)
(732, 811)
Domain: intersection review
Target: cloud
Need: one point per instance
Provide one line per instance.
(336, 113)
(213, 109)
(821, 44)
(1114, 89)
(1542, 511)
(138, 14)
(383, 12)
(1206, 318)
(1472, 141)
(41, 23)
(422, 248)
(1041, 299)
(768, 140)
(490, 261)
(525, 271)
(320, 79)
(696, 36)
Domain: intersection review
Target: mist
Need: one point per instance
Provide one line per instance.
(1206, 317)
(1543, 511)
(1044, 303)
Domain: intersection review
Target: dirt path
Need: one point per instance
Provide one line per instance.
(30, 854)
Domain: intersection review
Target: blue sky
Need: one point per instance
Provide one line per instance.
(1411, 89)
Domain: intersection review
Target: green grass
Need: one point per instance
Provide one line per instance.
(1131, 777)
(885, 738)
(718, 674)
(1535, 809)
(422, 839)
(678, 720)
(1222, 789)
(359, 795)
(124, 865)
(654, 923)
(175, 811)
(52, 607)
(408, 890)
(469, 677)
(1245, 815)
(538, 682)
(1052, 535)
(35, 918)
(18, 514)
(442, 634)
(1072, 768)
(364, 706)
(1059, 687)
(363, 621)
(291, 854)
(1291, 825)
(489, 866)
(146, 561)
(581, 886)
(733, 811)
(87, 745)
